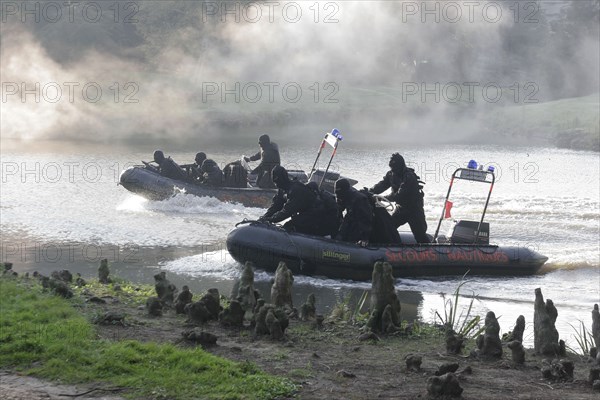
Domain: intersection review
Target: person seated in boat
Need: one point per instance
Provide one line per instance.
(211, 173)
(296, 201)
(357, 223)
(407, 193)
(169, 168)
(269, 158)
(195, 170)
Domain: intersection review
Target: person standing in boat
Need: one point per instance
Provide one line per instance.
(269, 158)
(211, 174)
(357, 223)
(407, 193)
(169, 168)
(296, 201)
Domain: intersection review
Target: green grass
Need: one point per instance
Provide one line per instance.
(464, 324)
(129, 293)
(43, 335)
(566, 119)
(584, 339)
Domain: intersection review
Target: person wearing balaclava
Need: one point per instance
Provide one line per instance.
(357, 222)
(269, 158)
(196, 168)
(298, 202)
(211, 174)
(407, 193)
(169, 168)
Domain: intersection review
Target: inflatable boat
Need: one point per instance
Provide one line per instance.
(147, 182)
(465, 249)
(266, 245)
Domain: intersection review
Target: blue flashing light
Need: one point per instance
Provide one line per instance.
(491, 169)
(336, 133)
(472, 164)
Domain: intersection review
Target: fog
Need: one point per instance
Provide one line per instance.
(404, 72)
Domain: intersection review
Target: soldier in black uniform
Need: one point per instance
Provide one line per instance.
(407, 193)
(296, 201)
(169, 168)
(195, 170)
(357, 222)
(326, 210)
(211, 174)
(269, 158)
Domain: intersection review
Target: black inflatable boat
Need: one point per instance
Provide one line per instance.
(266, 245)
(147, 182)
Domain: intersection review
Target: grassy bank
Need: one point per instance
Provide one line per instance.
(569, 123)
(44, 335)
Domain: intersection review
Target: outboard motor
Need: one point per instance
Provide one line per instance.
(235, 175)
(329, 182)
(465, 231)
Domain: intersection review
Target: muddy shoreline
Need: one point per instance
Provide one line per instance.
(334, 360)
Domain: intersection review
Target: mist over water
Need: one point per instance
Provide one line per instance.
(85, 95)
(217, 72)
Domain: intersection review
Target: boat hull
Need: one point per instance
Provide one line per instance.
(266, 246)
(154, 186)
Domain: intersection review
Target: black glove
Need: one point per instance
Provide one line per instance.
(247, 159)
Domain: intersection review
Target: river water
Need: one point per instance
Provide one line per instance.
(62, 208)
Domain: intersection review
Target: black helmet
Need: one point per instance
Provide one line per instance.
(280, 177)
(159, 156)
(342, 188)
(313, 186)
(397, 163)
(208, 165)
(200, 157)
(264, 139)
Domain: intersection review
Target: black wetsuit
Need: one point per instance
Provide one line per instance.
(326, 213)
(212, 174)
(170, 169)
(196, 174)
(269, 158)
(407, 193)
(357, 222)
(300, 204)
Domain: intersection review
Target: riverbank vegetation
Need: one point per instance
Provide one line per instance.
(45, 335)
(73, 341)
